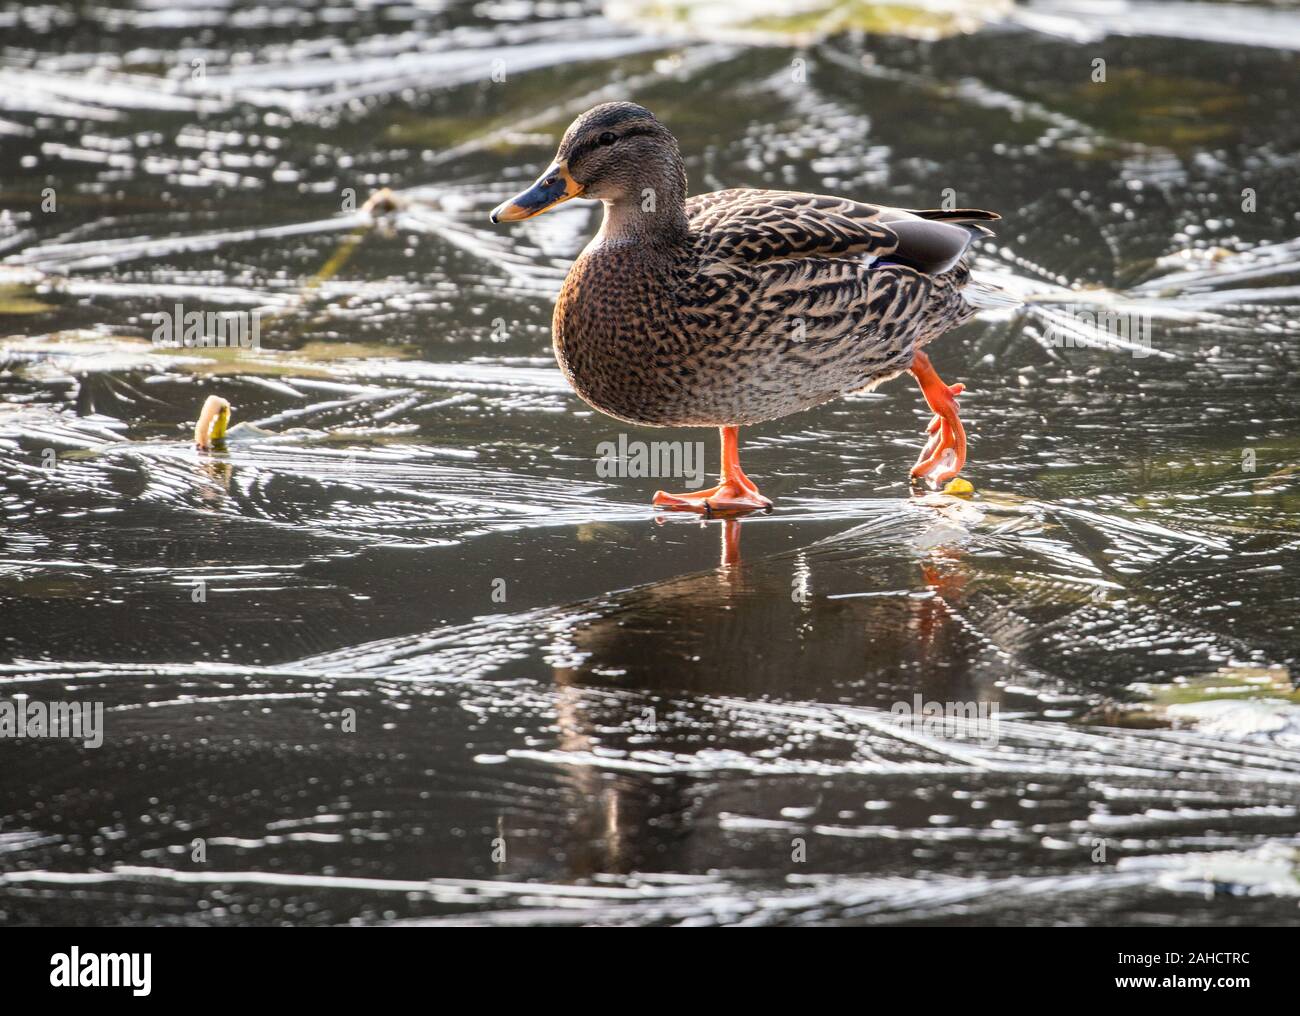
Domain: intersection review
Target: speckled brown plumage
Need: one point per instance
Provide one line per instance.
(740, 306)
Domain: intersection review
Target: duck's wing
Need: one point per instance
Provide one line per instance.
(786, 335)
(769, 225)
(795, 306)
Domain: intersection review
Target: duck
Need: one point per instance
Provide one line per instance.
(740, 306)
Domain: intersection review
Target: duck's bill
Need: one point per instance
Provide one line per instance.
(552, 187)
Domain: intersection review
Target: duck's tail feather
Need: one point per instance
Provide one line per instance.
(983, 294)
(956, 214)
(966, 217)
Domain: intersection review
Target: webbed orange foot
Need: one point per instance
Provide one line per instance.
(944, 453)
(735, 493)
(725, 497)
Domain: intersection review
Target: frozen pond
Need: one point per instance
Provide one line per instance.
(399, 653)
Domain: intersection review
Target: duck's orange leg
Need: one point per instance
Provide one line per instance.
(944, 454)
(736, 492)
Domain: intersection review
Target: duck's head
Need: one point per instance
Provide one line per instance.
(617, 153)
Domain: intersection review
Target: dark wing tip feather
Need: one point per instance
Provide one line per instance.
(955, 214)
(929, 247)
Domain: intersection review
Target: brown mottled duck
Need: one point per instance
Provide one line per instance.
(741, 306)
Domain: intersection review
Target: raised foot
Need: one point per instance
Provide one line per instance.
(731, 496)
(944, 453)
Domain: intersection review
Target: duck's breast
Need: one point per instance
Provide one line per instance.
(618, 340)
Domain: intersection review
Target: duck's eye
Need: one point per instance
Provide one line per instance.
(608, 138)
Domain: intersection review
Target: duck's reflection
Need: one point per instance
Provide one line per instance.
(871, 620)
(830, 622)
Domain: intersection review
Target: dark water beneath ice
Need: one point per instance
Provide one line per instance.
(445, 671)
